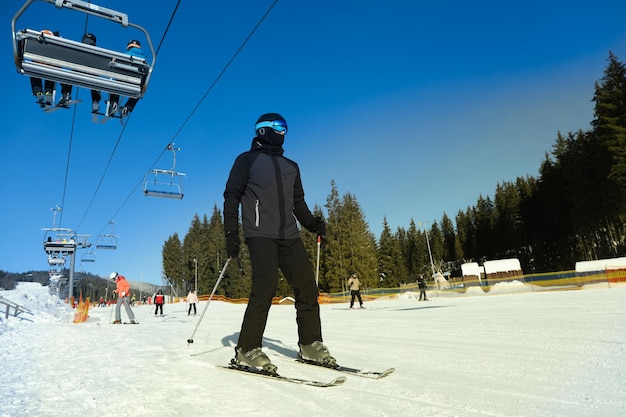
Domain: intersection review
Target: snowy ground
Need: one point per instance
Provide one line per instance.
(559, 353)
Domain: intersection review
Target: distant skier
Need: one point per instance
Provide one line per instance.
(192, 299)
(354, 284)
(122, 290)
(421, 284)
(159, 300)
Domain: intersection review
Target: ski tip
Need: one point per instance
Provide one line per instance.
(386, 372)
(339, 380)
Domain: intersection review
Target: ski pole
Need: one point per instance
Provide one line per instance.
(190, 340)
(317, 269)
(111, 313)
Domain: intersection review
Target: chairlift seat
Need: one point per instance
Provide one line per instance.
(89, 256)
(106, 246)
(109, 243)
(70, 62)
(106, 242)
(52, 261)
(162, 193)
(166, 189)
(59, 247)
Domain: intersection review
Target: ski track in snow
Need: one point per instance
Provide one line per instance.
(515, 354)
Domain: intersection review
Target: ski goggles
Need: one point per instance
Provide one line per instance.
(279, 125)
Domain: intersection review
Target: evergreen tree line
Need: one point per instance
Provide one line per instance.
(575, 210)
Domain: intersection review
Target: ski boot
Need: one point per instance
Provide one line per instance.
(113, 107)
(254, 358)
(40, 98)
(117, 322)
(64, 100)
(318, 354)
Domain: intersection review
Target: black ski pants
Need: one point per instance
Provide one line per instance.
(158, 307)
(267, 256)
(357, 294)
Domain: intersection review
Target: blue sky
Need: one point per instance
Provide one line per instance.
(415, 108)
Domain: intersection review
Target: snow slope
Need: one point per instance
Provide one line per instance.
(525, 354)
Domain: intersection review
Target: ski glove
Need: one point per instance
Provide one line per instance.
(320, 229)
(232, 244)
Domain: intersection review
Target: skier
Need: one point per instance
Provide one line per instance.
(90, 39)
(192, 299)
(44, 89)
(122, 290)
(268, 187)
(354, 284)
(421, 284)
(159, 300)
(132, 48)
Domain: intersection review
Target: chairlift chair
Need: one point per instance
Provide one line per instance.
(106, 241)
(165, 183)
(56, 260)
(59, 241)
(72, 62)
(88, 257)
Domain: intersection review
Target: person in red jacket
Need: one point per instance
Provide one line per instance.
(122, 290)
(159, 300)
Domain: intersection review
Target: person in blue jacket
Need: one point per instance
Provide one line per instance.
(269, 190)
(132, 48)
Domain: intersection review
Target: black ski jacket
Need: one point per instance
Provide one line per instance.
(269, 189)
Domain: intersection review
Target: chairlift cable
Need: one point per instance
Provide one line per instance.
(69, 150)
(106, 168)
(197, 106)
(119, 138)
(215, 81)
(219, 76)
(167, 28)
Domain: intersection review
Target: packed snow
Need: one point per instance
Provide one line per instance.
(513, 352)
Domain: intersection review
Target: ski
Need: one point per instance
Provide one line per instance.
(51, 109)
(108, 115)
(106, 118)
(351, 371)
(256, 372)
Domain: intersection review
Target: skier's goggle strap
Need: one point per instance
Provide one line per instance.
(279, 125)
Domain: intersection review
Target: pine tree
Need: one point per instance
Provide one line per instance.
(452, 253)
(466, 232)
(192, 248)
(437, 247)
(172, 254)
(609, 124)
(386, 257)
(350, 247)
